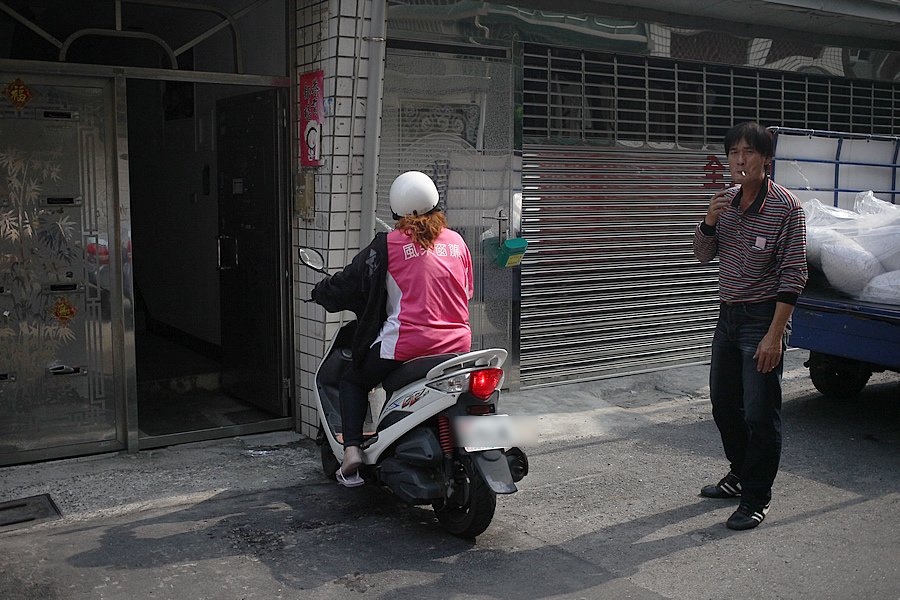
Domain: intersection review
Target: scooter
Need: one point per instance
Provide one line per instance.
(433, 434)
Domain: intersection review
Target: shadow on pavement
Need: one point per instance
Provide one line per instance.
(343, 538)
(316, 537)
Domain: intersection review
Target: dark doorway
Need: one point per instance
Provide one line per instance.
(208, 230)
(249, 269)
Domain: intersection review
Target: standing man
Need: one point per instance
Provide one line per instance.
(758, 231)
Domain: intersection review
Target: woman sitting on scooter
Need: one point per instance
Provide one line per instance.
(410, 290)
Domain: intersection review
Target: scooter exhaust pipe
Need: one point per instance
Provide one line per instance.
(518, 463)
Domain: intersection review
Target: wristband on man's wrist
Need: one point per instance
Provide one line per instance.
(707, 229)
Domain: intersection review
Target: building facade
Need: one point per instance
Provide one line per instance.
(165, 160)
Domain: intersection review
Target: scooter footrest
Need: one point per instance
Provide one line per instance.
(369, 438)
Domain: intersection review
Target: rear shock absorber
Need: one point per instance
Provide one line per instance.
(446, 438)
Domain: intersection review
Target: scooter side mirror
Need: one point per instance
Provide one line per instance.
(312, 259)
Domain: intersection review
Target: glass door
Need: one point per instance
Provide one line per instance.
(58, 279)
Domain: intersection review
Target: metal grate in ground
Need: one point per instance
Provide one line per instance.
(25, 512)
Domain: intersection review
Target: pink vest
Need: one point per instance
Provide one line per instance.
(428, 296)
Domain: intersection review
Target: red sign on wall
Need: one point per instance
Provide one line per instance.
(18, 93)
(714, 172)
(312, 112)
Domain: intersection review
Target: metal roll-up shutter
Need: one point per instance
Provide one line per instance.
(621, 156)
(610, 285)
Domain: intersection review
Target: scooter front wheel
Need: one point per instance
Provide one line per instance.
(330, 463)
(473, 515)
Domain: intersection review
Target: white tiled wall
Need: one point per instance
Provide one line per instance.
(330, 37)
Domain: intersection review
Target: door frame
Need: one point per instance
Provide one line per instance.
(285, 342)
(123, 317)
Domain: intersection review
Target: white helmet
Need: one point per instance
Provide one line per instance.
(413, 193)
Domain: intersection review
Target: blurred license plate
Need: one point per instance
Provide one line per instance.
(487, 432)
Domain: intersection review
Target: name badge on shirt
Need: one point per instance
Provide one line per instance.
(760, 243)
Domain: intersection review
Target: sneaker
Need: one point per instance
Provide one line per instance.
(728, 487)
(747, 516)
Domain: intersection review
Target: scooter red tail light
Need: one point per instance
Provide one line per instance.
(483, 383)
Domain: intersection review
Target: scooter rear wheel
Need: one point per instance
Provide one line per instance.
(474, 515)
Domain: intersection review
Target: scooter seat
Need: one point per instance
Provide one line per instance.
(412, 370)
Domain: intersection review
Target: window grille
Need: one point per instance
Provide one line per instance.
(605, 98)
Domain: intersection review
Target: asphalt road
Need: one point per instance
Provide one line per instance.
(610, 510)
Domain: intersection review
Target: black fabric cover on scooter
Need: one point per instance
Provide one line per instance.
(328, 378)
(412, 370)
(409, 473)
(420, 447)
(413, 485)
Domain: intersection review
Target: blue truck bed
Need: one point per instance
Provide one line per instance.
(827, 322)
(847, 339)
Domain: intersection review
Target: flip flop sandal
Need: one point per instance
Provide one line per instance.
(348, 480)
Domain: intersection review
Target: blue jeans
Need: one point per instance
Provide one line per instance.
(746, 404)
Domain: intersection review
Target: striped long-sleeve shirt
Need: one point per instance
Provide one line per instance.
(762, 250)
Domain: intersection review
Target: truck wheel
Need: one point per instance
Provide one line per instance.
(839, 382)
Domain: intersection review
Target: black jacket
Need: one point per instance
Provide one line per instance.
(359, 288)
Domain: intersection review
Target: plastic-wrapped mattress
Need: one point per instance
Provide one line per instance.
(858, 250)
